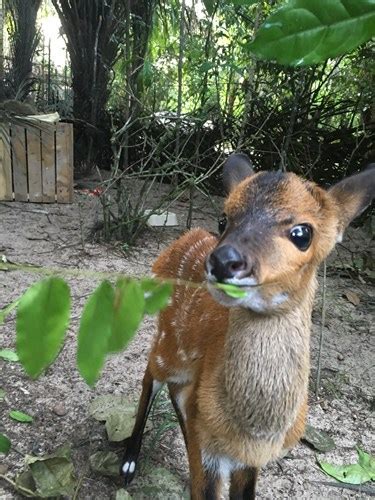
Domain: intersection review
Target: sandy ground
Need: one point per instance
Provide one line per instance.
(54, 236)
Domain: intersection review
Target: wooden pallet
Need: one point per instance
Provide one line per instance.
(37, 165)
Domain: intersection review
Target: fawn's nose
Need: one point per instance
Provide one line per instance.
(226, 262)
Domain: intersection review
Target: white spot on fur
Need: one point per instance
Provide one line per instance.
(160, 361)
(162, 336)
(339, 237)
(181, 377)
(182, 355)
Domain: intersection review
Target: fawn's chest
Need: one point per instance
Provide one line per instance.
(265, 374)
(254, 396)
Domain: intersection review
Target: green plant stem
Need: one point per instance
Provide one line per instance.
(323, 320)
(106, 275)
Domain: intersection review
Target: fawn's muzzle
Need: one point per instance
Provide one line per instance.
(226, 262)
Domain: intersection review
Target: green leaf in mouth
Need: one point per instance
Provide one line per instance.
(232, 290)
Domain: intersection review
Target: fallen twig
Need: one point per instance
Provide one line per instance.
(354, 487)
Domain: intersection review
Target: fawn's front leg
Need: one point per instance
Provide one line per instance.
(242, 484)
(205, 477)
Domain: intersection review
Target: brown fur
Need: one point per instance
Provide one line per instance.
(239, 377)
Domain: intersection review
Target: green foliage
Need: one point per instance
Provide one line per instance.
(111, 317)
(128, 311)
(9, 355)
(156, 295)
(357, 473)
(210, 6)
(5, 444)
(243, 2)
(95, 331)
(232, 290)
(19, 416)
(306, 32)
(42, 319)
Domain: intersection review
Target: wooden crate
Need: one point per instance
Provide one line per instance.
(37, 165)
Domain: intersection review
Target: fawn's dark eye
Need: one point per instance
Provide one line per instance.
(222, 223)
(301, 236)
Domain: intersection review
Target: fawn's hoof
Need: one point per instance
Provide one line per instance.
(129, 461)
(128, 470)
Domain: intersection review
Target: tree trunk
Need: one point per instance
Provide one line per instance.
(93, 29)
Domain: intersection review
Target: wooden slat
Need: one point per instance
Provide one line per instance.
(64, 162)
(6, 190)
(48, 164)
(34, 164)
(19, 163)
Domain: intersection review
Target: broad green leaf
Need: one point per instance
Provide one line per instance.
(156, 295)
(105, 462)
(53, 474)
(232, 290)
(5, 444)
(9, 355)
(352, 473)
(42, 319)
(367, 461)
(94, 332)
(127, 313)
(310, 31)
(210, 6)
(20, 416)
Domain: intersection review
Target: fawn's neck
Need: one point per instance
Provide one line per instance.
(266, 367)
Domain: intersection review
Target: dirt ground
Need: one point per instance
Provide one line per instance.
(55, 236)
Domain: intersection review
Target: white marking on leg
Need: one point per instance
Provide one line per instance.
(220, 465)
(125, 467)
(156, 386)
(181, 401)
(132, 467)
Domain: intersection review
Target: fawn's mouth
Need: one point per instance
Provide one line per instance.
(243, 283)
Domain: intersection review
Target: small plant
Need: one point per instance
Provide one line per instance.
(360, 472)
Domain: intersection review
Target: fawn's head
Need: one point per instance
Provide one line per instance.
(278, 228)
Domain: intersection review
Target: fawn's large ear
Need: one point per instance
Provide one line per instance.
(235, 169)
(353, 195)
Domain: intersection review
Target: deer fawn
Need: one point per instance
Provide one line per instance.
(237, 368)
